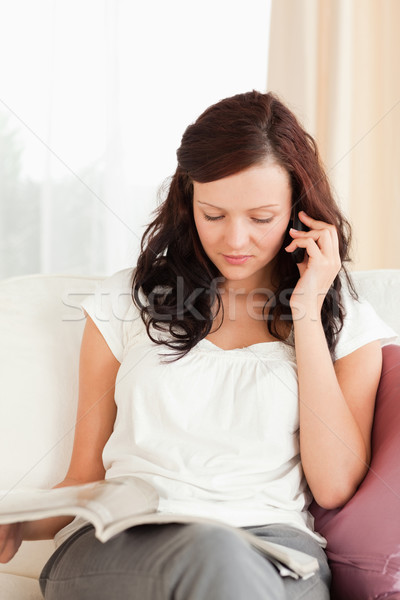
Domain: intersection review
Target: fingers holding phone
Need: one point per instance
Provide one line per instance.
(320, 262)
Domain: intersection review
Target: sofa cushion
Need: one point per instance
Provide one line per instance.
(364, 536)
(17, 587)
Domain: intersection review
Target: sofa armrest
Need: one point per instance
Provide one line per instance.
(364, 536)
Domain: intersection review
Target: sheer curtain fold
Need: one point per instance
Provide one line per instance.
(334, 62)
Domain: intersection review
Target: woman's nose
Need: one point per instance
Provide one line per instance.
(237, 236)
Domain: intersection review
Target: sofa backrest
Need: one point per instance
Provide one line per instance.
(41, 326)
(381, 288)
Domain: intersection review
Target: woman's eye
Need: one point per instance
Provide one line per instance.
(208, 218)
(264, 220)
(212, 218)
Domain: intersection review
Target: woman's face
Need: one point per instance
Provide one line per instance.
(244, 216)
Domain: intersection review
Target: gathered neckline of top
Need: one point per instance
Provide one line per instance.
(242, 348)
(278, 348)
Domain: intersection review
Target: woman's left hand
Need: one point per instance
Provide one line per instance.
(321, 262)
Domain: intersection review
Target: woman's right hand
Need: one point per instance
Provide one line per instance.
(10, 540)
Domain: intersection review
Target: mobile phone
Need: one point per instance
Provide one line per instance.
(298, 254)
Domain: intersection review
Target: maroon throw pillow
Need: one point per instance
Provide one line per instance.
(364, 536)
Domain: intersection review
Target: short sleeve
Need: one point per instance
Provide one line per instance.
(361, 325)
(111, 308)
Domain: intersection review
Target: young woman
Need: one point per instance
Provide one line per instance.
(236, 380)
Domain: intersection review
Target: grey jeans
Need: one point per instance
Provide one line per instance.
(178, 562)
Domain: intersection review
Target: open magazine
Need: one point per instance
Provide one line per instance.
(116, 504)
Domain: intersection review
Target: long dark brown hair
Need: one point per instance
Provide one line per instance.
(174, 273)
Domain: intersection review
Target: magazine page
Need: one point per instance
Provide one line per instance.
(101, 502)
(114, 505)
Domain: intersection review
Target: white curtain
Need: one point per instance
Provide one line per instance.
(94, 98)
(336, 63)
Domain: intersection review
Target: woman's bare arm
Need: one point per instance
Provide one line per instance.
(336, 401)
(336, 413)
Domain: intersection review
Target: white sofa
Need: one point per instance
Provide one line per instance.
(41, 326)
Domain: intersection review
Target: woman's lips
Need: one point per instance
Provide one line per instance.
(236, 260)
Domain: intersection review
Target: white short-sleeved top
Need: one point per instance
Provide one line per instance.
(216, 432)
